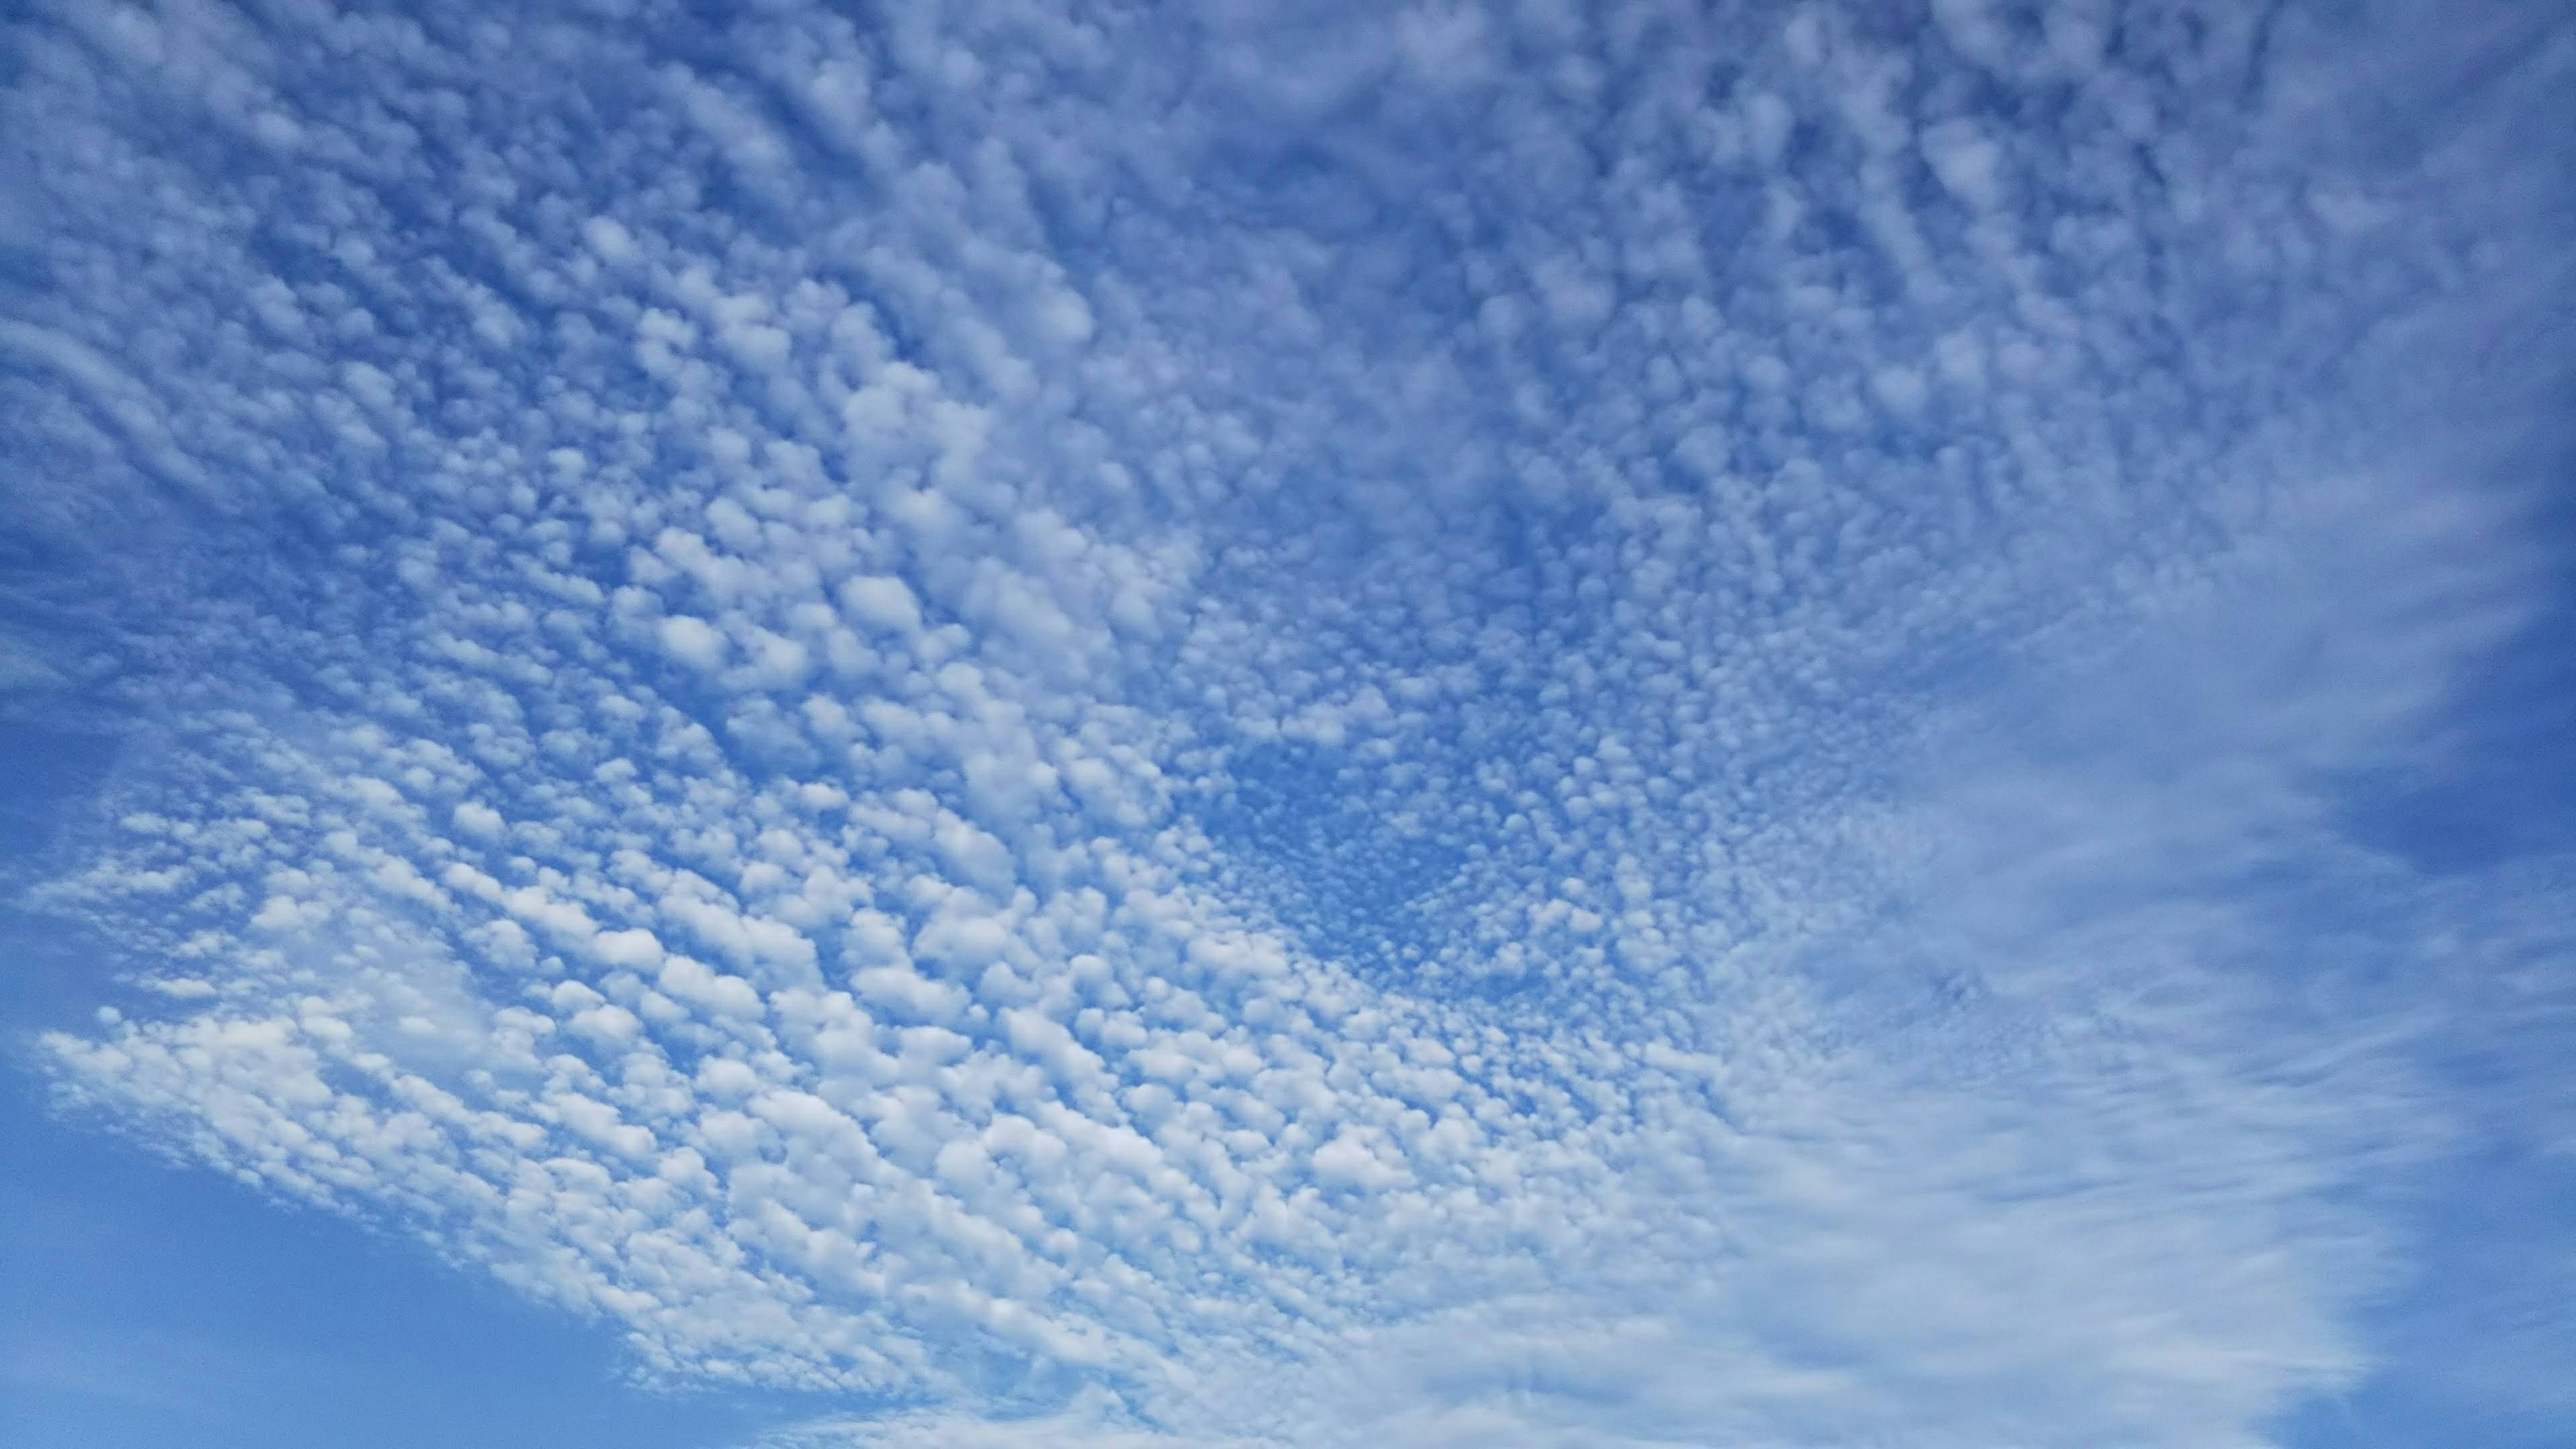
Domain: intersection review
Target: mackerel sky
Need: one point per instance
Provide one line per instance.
(1014, 723)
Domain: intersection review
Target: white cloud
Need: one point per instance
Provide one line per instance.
(693, 641)
(881, 603)
(1359, 761)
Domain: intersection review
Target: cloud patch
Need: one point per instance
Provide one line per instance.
(1107, 728)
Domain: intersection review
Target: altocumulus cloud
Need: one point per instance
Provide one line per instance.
(1263, 724)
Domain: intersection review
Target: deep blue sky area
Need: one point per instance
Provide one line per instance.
(1052, 725)
(150, 1306)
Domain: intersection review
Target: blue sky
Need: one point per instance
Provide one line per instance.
(791, 725)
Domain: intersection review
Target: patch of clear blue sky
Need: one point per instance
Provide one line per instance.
(147, 1305)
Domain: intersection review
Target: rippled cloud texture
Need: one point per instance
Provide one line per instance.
(1284, 723)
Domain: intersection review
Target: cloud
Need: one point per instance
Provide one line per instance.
(1589, 728)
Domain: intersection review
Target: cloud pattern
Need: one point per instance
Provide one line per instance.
(1137, 725)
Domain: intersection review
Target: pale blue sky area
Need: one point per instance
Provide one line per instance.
(1033, 723)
